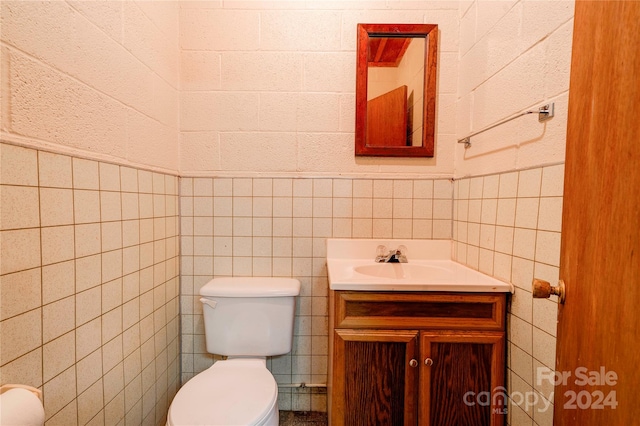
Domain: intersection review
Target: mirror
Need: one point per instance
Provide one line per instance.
(396, 90)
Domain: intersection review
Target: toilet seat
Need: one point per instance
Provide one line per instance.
(231, 392)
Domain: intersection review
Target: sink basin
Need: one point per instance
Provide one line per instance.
(401, 271)
(351, 266)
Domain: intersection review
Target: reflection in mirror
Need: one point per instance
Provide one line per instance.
(395, 90)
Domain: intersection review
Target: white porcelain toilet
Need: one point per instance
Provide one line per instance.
(246, 319)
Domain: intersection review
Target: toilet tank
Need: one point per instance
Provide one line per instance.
(249, 316)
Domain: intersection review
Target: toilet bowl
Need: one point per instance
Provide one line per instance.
(232, 392)
(246, 319)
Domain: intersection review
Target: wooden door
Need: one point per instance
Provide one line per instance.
(387, 119)
(597, 372)
(374, 381)
(462, 378)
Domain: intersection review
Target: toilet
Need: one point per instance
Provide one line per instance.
(246, 319)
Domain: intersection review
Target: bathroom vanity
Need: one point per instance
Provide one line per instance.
(417, 355)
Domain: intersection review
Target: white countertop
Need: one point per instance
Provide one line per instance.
(351, 266)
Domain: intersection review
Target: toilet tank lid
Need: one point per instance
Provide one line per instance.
(251, 287)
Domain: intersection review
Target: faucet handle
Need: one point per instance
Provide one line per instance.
(381, 252)
(401, 254)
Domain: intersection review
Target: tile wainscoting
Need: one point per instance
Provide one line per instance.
(89, 286)
(126, 251)
(508, 225)
(278, 227)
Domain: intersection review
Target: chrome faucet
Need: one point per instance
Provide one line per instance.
(398, 255)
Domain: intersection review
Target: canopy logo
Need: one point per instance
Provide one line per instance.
(595, 399)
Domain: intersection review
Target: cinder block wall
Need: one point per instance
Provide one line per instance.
(89, 217)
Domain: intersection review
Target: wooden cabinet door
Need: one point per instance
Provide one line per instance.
(373, 380)
(461, 373)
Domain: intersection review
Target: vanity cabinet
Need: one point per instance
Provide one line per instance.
(416, 358)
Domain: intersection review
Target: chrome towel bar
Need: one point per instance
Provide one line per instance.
(545, 112)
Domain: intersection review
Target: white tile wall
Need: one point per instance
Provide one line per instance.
(278, 227)
(89, 301)
(508, 225)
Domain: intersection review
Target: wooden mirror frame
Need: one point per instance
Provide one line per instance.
(430, 33)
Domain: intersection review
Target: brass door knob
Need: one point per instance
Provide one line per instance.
(413, 363)
(543, 290)
(428, 362)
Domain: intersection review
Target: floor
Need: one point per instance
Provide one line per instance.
(300, 418)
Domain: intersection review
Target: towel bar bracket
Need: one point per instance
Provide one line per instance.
(545, 112)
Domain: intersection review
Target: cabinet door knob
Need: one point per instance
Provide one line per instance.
(428, 361)
(413, 363)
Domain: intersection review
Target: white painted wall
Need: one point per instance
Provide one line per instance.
(514, 56)
(95, 79)
(269, 87)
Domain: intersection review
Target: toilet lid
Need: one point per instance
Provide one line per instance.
(232, 392)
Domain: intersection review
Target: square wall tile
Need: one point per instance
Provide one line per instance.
(128, 179)
(362, 188)
(58, 244)
(130, 206)
(508, 186)
(158, 183)
(110, 206)
(86, 206)
(88, 338)
(402, 188)
(382, 189)
(552, 181)
(88, 239)
(527, 212)
(202, 187)
(442, 189)
(85, 174)
(18, 166)
(20, 250)
(550, 214)
(90, 402)
(58, 318)
(109, 177)
(57, 357)
(21, 292)
(548, 248)
(25, 369)
(54, 170)
(20, 207)
(56, 206)
(145, 182)
(529, 183)
(24, 332)
(60, 391)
